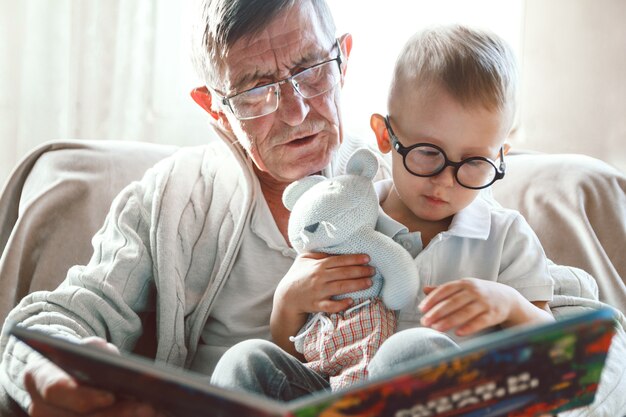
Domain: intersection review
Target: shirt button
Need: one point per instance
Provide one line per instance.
(407, 244)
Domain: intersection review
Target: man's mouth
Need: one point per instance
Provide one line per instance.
(302, 141)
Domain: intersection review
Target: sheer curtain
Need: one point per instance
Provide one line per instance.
(115, 69)
(120, 69)
(574, 80)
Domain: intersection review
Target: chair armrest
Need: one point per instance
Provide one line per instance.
(577, 207)
(54, 202)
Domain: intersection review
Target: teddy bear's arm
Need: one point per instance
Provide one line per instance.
(395, 264)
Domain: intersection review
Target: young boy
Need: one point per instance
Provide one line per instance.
(451, 106)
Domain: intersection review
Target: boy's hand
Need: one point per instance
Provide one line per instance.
(308, 287)
(316, 277)
(56, 394)
(471, 305)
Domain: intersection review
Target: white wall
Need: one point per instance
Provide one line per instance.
(380, 29)
(574, 78)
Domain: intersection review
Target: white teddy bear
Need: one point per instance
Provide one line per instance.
(338, 216)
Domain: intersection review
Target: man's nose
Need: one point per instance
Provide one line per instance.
(292, 108)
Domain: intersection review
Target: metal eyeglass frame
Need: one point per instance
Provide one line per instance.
(225, 100)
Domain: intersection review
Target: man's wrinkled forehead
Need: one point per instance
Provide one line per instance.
(293, 40)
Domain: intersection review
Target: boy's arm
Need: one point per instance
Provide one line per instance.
(287, 315)
(283, 324)
(308, 287)
(524, 312)
(471, 305)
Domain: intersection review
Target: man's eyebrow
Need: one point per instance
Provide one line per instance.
(312, 58)
(240, 84)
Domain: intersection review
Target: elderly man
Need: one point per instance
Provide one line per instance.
(203, 222)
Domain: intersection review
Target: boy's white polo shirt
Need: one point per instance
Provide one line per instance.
(483, 241)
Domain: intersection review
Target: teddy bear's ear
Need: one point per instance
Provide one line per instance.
(293, 192)
(362, 162)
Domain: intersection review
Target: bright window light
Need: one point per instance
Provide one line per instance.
(380, 30)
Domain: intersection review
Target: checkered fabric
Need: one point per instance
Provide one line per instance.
(342, 353)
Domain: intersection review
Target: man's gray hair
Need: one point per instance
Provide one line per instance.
(221, 23)
(474, 66)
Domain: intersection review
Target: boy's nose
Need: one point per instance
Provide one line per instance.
(445, 178)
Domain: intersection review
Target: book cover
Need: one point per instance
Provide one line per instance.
(530, 371)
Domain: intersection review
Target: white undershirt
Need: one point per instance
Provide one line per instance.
(242, 309)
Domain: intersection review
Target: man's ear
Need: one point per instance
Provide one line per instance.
(506, 147)
(345, 42)
(377, 123)
(202, 96)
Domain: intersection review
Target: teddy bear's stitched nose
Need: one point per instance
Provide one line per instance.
(312, 227)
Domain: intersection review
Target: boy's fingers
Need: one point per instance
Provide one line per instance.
(476, 324)
(338, 261)
(314, 255)
(429, 288)
(437, 295)
(458, 314)
(335, 306)
(347, 273)
(345, 286)
(445, 309)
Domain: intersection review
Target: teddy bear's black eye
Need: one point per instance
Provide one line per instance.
(312, 227)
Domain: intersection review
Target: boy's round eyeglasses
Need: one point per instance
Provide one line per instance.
(428, 160)
(308, 83)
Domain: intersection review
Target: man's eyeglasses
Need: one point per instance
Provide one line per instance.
(309, 83)
(428, 160)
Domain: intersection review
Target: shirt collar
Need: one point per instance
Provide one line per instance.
(473, 222)
(263, 225)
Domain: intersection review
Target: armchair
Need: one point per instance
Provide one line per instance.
(59, 195)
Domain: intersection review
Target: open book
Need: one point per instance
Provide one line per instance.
(515, 372)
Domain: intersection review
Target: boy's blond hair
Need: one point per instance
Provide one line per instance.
(474, 66)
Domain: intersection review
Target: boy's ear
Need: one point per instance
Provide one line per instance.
(345, 42)
(377, 123)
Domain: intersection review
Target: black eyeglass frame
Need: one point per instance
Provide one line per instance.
(225, 100)
(404, 151)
